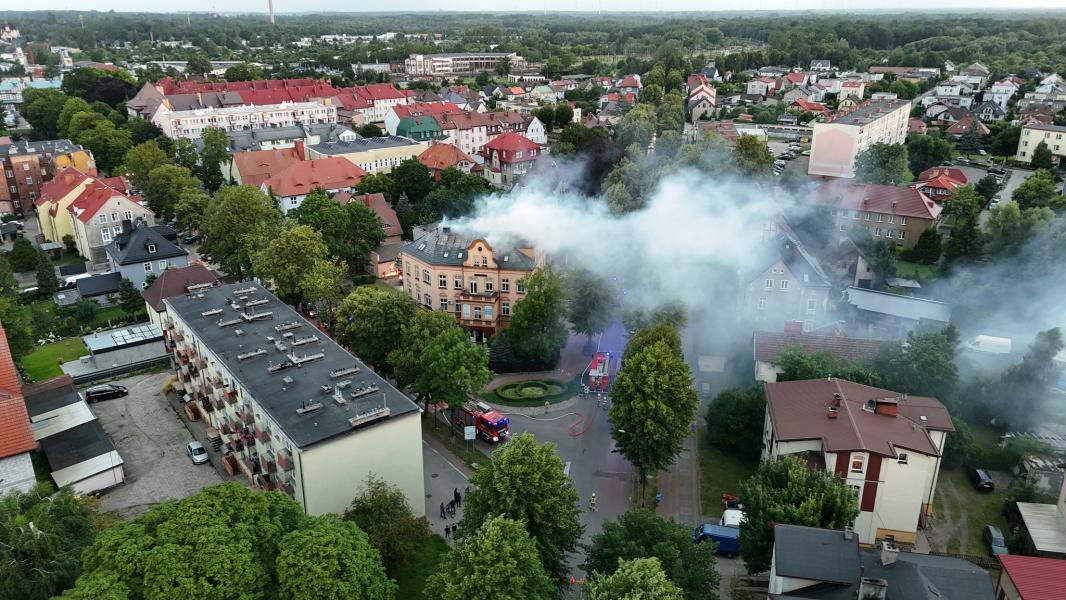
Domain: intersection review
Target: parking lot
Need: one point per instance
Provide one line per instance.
(151, 440)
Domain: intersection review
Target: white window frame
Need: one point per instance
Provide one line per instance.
(902, 234)
(101, 219)
(901, 458)
(768, 284)
(105, 233)
(442, 281)
(147, 267)
(762, 304)
(857, 458)
(784, 284)
(151, 248)
(505, 285)
(162, 265)
(444, 304)
(812, 306)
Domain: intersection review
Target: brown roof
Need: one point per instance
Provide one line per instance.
(390, 223)
(257, 166)
(300, 177)
(15, 434)
(442, 156)
(798, 410)
(769, 344)
(870, 197)
(175, 282)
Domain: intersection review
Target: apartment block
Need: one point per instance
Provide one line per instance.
(837, 141)
(27, 166)
(295, 412)
(190, 124)
(886, 211)
(460, 63)
(1033, 133)
(447, 271)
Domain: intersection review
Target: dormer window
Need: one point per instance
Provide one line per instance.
(151, 248)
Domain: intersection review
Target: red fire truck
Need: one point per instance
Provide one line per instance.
(491, 425)
(600, 372)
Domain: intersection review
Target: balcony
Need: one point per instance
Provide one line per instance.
(285, 460)
(266, 481)
(206, 405)
(482, 296)
(231, 397)
(246, 417)
(262, 434)
(267, 463)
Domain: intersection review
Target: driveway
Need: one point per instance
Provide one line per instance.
(151, 440)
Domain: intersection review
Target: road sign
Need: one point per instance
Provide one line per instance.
(469, 432)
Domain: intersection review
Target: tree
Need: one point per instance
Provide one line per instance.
(503, 66)
(925, 365)
(47, 282)
(884, 164)
(129, 298)
(370, 131)
(322, 287)
(588, 303)
(71, 107)
(640, 533)
(70, 246)
(751, 156)
(379, 183)
(9, 286)
(238, 223)
(370, 323)
(412, 181)
(928, 249)
(406, 359)
(1042, 157)
(23, 255)
(546, 115)
(287, 258)
(970, 140)
(784, 491)
(1037, 190)
(966, 241)
(651, 94)
(882, 257)
(18, 327)
(83, 121)
(141, 159)
(215, 152)
(537, 329)
(42, 535)
(483, 79)
(350, 231)
(637, 126)
(199, 64)
(185, 154)
(1005, 141)
(243, 72)
(331, 559)
(735, 421)
(85, 311)
(1009, 227)
(637, 579)
(525, 481)
(497, 560)
(925, 151)
(649, 336)
(987, 187)
(1023, 389)
(78, 82)
(191, 208)
(108, 143)
(798, 364)
(382, 511)
(653, 405)
(452, 368)
(564, 114)
(142, 130)
(167, 183)
(41, 108)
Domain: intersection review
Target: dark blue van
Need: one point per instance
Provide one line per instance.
(727, 538)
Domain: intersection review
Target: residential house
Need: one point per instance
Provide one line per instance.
(701, 101)
(884, 445)
(372, 155)
(1030, 578)
(917, 126)
(79, 452)
(990, 111)
(825, 564)
(255, 167)
(390, 223)
(853, 88)
(802, 105)
(800, 92)
(97, 214)
(945, 114)
(769, 345)
(465, 275)
(630, 84)
(966, 124)
(28, 166)
(439, 157)
(293, 183)
(176, 281)
(840, 138)
(16, 438)
(886, 316)
(418, 109)
(792, 287)
(772, 72)
(471, 131)
(98, 288)
(938, 182)
(508, 158)
(1003, 90)
(420, 129)
(952, 92)
(794, 80)
(141, 250)
(1033, 134)
(763, 86)
(901, 214)
(975, 75)
(821, 65)
(295, 411)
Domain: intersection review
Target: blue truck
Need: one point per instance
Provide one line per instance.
(727, 538)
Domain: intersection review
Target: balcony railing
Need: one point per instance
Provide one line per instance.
(247, 417)
(266, 462)
(231, 397)
(285, 461)
(262, 434)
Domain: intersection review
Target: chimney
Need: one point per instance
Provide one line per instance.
(831, 412)
(837, 398)
(873, 589)
(849, 533)
(300, 149)
(889, 553)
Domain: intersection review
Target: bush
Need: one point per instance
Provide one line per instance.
(534, 390)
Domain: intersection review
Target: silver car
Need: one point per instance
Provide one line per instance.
(196, 452)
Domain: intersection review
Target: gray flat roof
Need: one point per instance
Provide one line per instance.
(76, 445)
(362, 144)
(1046, 525)
(281, 392)
(870, 111)
(116, 339)
(899, 306)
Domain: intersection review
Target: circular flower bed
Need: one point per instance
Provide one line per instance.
(533, 391)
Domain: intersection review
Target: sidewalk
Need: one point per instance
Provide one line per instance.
(680, 486)
(444, 473)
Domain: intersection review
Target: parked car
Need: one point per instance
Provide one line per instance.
(727, 538)
(996, 171)
(982, 481)
(196, 452)
(105, 392)
(994, 540)
(190, 239)
(806, 153)
(947, 163)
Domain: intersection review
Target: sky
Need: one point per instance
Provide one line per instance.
(283, 6)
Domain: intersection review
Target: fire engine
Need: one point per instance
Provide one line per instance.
(491, 425)
(600, 372)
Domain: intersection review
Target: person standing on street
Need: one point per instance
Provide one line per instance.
(442, 515)
(458, 497)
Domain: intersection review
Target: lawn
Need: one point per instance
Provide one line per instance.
(913, 270)
(720, 472)
(411, 578)
(43, 363)
(962, 512)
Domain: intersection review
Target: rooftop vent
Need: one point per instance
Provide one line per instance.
(370, 415)
(326, 388)
(306, 358)
(224, 323)
(308, 407)
(343, 372)
(366, 390)
(198, 286)
(252, 354)
(343, 384)
(287, 326)
(247, 290)
(257, 316)
(256, 302)
(285, 364)
(238, 331)
(287, 380)
(305, 340)
(832, 412)
(279, 346)
(211, 313)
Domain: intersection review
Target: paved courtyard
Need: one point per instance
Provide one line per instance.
(151, 440)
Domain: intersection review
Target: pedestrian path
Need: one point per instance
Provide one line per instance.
(444, 475)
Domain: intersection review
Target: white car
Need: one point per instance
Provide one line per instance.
(196, 453)
(732, 517)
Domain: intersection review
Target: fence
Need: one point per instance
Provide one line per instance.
(985, 562)
(110, 372)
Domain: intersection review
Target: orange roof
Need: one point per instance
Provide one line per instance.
(951, 172)
(442, 156)
(942, 182)
(380, 206)
(300, 177)
(425, 108)
(61, 185)
(257, 166)
(91, 199)
(15, 434)
(808, 105)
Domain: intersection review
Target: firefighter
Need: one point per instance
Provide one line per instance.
(592, 502)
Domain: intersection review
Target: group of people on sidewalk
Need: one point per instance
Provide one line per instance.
(448, 510)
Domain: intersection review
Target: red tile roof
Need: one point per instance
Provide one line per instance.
(301, 177)
(61, 185)
(381, 91)
(869, 197)
(808, 105)
(377, 203)
(15, 434)
(629, 81)
(796, 77)
(442, 156)
(951, 172)
(916, 126)
(507, 144)
(91, 199)
(940, 182)
(769, 344)
(1036, 578)
(425, 108)
(257, 166)
(962, 126)
(175, 281)
(798, 410)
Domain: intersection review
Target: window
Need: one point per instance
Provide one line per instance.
(473, 285)
(101, 219)
(505, 285)
(117, 229)
(843, 227)
(151, 248)
(477, 313)
(877, 232)
(867, 216)
(148, 267)
(466, 311)
(114, 216)
(488, 313)
(425, 277)
(162, 265)
(488, 285)
(14, 190)
(902, 458)
(29, 180)
(418, 272)
(458, 282)
(106, 234)
(891, 218)
(808, 325)
(856, 489)
(903, 220)
(484, 261)
(442, 281)
(521, 287)
(858, 461)
(768, 284)
(444, 304)
(902, 234)
(784, 284)
(128, 215)
(406, 267)
(505, 309)
(427, 300)
(25, 166)
(762, 303)
(812, 306)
